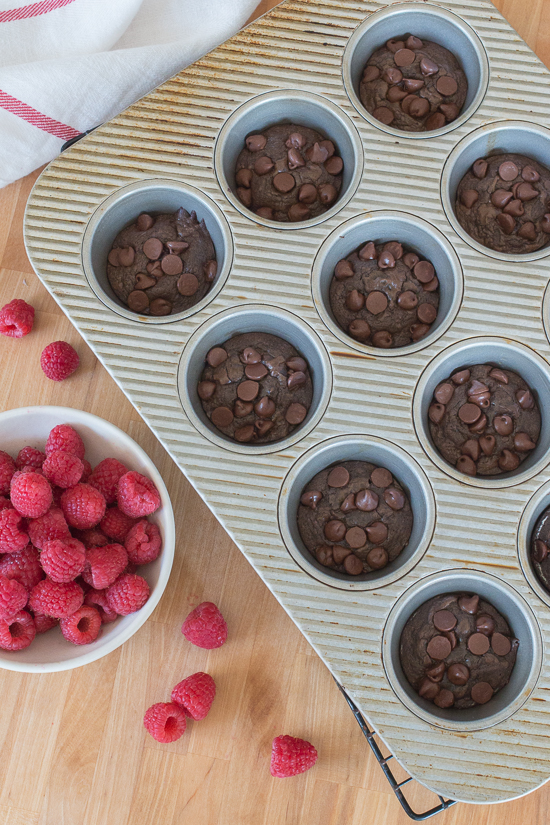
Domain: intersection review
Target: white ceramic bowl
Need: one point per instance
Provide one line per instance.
(50, 652)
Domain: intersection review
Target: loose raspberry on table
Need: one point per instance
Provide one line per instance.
(31, 494)
(48, 527)
(17, 632)
(98, 599)
(195, 695)
(205, 627)
(143, 542)
(13, 597)
(59, 360)
(64, 438)
(291, 756)
(116, 524)
(128, 594)
(165, 721)
(104, 565)
(63, 469)
(29, 457)
(83, 506)
(7, 469)
(63, 559)
(16, 318)
(23, 566)
(13, 535)
(137, 496)
(57, 599)
(82, 627)
(105, 477)
(44, 623)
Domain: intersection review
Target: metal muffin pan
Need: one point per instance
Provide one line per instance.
(181, 132)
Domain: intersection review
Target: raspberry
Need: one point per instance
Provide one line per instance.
(105, 478)
(205, 627)
(195, 694)
(291, 756)
(44, 623)
(59, 360)
(7, 469)
(31, 494)
(63, 469)
(82, 627)
(49, 527)
(63, 559)
(83, 506)
(116, 525)
(143, 542)
(16, 318)
(57, 599)
(128, 594)
(23, 566)
(5, 503)
(63, 437)
(18, 632)
(29, 457)
(12, 535)
(87, 472)
(98, 599)
(136, 495)
(104, 565)
(165, 721)
(13, 597)
(92, 538)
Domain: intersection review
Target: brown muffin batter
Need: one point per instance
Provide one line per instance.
(540, 546)
(457, 650)
(354, 517)
(384, 295)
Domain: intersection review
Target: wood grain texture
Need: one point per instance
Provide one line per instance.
(73, 750)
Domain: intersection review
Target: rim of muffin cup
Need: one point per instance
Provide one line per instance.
(121, 208)
(429, 22)
(253, 318)
(499, 352)
(288, 106)
(381, 227)
(538, 502)
(382, 453)
(513, 136)
(523, 625)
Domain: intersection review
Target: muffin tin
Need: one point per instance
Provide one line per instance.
(176, 147)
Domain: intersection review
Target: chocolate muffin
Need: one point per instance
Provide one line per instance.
(162, 264)
(503, 203)
(385, 295)
(288, 173)
(255, 388)
(413, 84)
(355, 517)
(457, 651)
(540, 545)
(484, 420)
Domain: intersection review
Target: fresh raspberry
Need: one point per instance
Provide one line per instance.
(83, 506)
(98, 599)
(23, 566)
(92, 538)
(143, 542)
(116, 525)
(137, 496)
(5, 503)
(63, 469)
(59, 360)
(63, 559)
(104, 565)
(49, 527)
(87, 472)
(57, 599)
(29, 457)
(128, 594)
(44, 623)
(195, 694)
(16, 318)
(13, 597)
(31, 494)
(290, 756)
(64, 438)
(12, 534)
(105, 478)
(165, 721)
(205, 627)
(7, 469)
(82, 627)
(57, 492)
(17, 632)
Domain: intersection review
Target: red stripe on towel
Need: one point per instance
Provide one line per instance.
(36, 118)
(35, 9)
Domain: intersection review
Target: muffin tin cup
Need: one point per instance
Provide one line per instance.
(253, 318)
(382, 453)
(534, 509)
(381, 227)
(522, 622)
(517, 136)
(502, 353)
(288, 106)
(429, 22)
(121, 209)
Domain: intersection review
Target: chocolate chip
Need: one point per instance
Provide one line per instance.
(501, 197)
(508, 461)
(427, 313)
(327, 193)
(126, 256)
(366, 500)
(412, 84)
(479, 425)
(154, 269)
(428, 689)
(295, 140)
(206, 389)
(216, 356)
(144, 281)
(263, 426)
(324, 555)
(514, 208)
(471, 448)
(335, 530)
(295, 160)
(446, 85)
(404, 57)
(377, 558)
(528, 231)
(435, 673)
(329, 146)
(410, 259)
(506, 223)
(265, 212)
(407, 300)
(298, 212)
(371, 73)
(340, 553)
(297, 363)
(444, 393)
(481, 693)
(244, 177)
(137, 301)
(485, 624)
(395, 94)
(384, 115)
(523, 443)
(545, 223)
(540, 551)
(152, 248)
(248, 390)
(487, 444)
(353, 565)
(424, 271)
(436, 413)
(296, 380)
(469, 413)
(242, 408)
(382, 339)
(419, 107)
(338, 477)
(477, 388)
(334, 165)
(348, 504)
(479, 168)
(413, 42)
(367, 252)
(355, 300)
(386, 261)
(431, 286)
(466, 465)
(525, 399)
(244, 195)
(263, 165)
(428, 67)
(444, 699)
(377, 532)
(160, 307)
(407, 101)
(381, 477)
(460, 377)
(317, 153)
(530, 174)
(255, 371)
(265, 407)
(469, 604)
(394, 498)
(458, 674)
(295, 413)
(145, 221)
(450, 111)
(444, 620)
(356, 537)
(284, 182)
(395, 45)
(508, 170)
(478, 644)
(187, 283)
(468, 197)
(307, 193)
(500, 644)
(503, 424)
(255, 143)
(244, 434)
(221, 417)
(376, 302)
(112, 257)
(438, 647)
(526, 192)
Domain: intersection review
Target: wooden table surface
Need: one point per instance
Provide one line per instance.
(73, 750)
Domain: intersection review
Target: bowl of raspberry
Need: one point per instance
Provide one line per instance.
(86, 538)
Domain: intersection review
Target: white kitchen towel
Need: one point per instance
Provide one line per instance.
(69, 65)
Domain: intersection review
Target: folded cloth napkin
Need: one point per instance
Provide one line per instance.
(69, 65)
